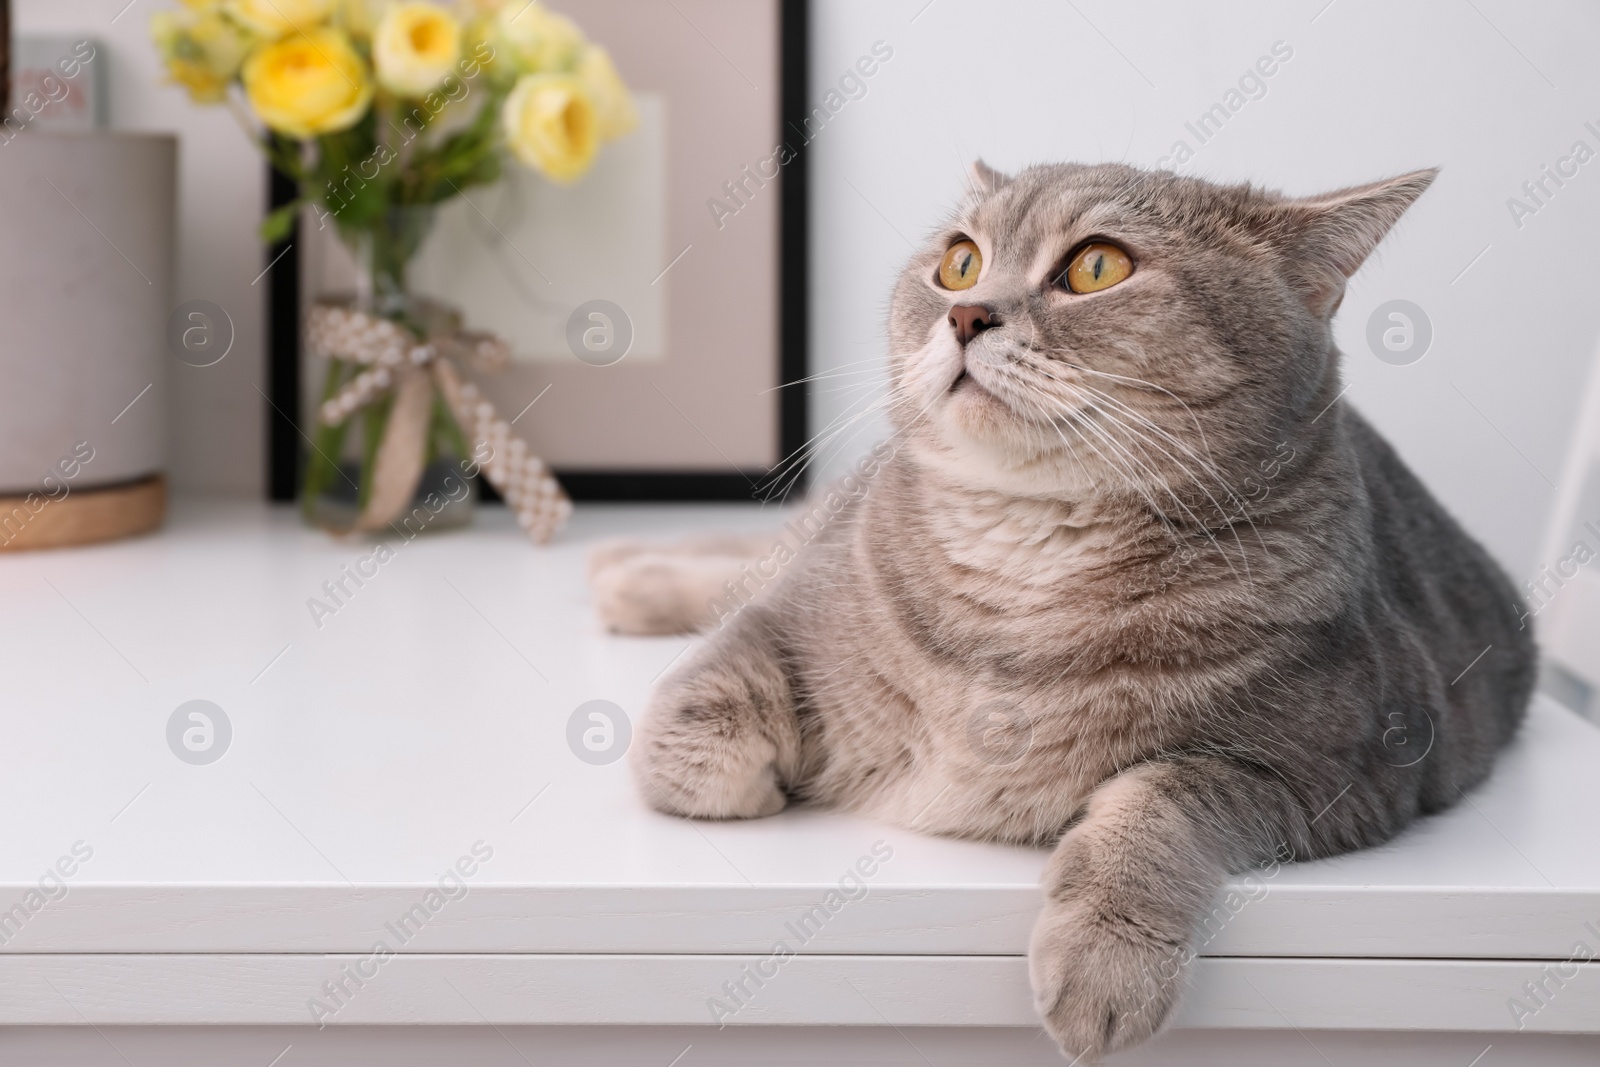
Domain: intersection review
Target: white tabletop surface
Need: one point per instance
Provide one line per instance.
(430, 712)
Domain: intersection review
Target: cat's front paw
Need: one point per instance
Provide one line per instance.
(1100, 982)
(707, 750)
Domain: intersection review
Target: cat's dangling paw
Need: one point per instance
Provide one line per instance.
(652, 593)
(614, 550)
(704, 749)
(1100, 984)
(643, 588)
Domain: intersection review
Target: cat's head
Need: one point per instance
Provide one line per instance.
(1077, 329)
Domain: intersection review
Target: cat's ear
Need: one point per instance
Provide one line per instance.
(984, 179)
(1330, 236)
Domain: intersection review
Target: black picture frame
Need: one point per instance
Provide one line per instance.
(5, 57)
(285, 436)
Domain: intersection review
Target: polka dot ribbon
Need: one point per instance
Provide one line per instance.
(394, 361)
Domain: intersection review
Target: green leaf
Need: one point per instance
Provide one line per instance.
(437, 172)
(284, 154)
(322, 464)
(348, 177)
(276, 226)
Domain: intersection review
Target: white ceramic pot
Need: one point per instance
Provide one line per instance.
(86, 237)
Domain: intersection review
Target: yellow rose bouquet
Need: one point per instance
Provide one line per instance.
(380, 110)
(371, 104)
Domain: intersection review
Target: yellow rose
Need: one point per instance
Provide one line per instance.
(481, 44)
(357, 17)
(539, 39)
(308, 84)
(614, 112)
(550, 125)
(202, 50)
(275, 18)
(416, 46)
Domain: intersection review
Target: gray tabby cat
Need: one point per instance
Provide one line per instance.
(1130, 580)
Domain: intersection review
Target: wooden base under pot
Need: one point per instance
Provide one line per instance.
(83, 516)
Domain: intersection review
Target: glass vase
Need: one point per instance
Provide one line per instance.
(340, 469)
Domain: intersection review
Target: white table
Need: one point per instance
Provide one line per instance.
(430, 712)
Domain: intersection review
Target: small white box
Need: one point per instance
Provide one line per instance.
(55, 84)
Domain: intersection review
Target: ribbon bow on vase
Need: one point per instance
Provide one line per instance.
(395, 362)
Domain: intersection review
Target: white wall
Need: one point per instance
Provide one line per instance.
(216, 436)
(1373, 88)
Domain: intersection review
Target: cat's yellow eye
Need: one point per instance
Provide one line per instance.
(1098, 266)
(960, 266)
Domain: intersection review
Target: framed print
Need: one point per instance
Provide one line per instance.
(654, 308)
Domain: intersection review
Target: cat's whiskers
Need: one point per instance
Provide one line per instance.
(1151, 475)
(1201, 524)
(849, 387)
(876, 368)
(787, 472)
(1055, 412)
(1236, 502)
(1058, 413)
(1204, 528)
(1107, 409)
(895, 399)
(1128, 476)
(1111, 417)
(1207, 464)
(1141, 383)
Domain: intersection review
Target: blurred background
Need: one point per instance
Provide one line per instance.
(1497, 262)
(1489, 91)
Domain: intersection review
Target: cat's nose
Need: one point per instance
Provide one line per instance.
(969, 320)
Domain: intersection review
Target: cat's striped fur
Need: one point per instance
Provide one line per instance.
(1135, 584)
